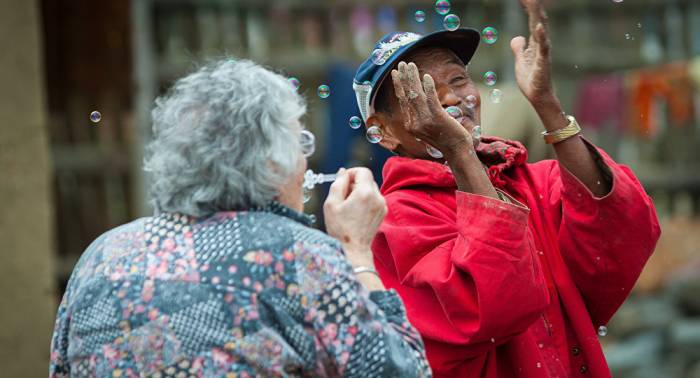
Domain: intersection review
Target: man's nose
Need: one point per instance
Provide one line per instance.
(447, 96)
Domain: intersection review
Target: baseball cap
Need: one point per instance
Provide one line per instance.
(389, 50)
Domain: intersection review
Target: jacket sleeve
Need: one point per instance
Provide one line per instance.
(604, 241)
(468, 279)
(358, 333)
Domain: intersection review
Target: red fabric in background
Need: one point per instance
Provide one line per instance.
(601, 99)
(499, 290)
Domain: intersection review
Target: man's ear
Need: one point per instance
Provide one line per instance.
(389, 139)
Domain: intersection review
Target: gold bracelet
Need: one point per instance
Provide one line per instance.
(560, 135)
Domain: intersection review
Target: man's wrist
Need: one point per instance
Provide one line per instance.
(550, 112)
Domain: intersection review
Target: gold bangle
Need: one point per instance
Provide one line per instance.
(560, 135)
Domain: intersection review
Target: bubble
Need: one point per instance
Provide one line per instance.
(95, 116)
(489, 35)
(451, 22)
(617, 1)
(295, 82)
(471, 101)
(434, 152)
(639, 25)
(476, 132)
(490, 78)
(496, 96)
(454, 111)
(602, 331)
(442, 7)
(374, 134)
(627, 36)
(355, 122)
(324, 91)
(306, 195)
(419, 16)
(539, 365)
(379, 56)
(307, 141)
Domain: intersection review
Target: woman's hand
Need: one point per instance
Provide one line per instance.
(532, 59)
(353, 212)
(423, 114)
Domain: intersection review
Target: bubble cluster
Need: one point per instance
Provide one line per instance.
(489, 35)
(454, 111)
(355, 122)
(433, 152)
(451, 22)
(324, 91)
(374, 134)
(419, 16)
(602, 331)
(379, 56)
(496, 96)
(471, 101)
(490, 78)
(95, 116)
(442, 7)
(295, 82)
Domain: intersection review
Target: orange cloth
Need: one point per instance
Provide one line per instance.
(670, 83)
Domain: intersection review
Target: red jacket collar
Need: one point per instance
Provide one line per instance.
(498, 154)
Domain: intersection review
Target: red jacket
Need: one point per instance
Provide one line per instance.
(502, 290)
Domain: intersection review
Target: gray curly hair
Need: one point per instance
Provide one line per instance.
(225, 137)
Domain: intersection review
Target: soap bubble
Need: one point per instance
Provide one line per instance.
(306, 195)
(442, 7)
(434, 152)
(489, 35)
(471, 101)
(355, 122)
(380, 56)
(295, 82)
(454, 111)
(476, 132)
(95, 116)
(490, 78)
(419, 16)
(602, 331)
(617, 1)
(374, 134)
(324, 91)
(451, 22)
(496, 96)
(307, 141)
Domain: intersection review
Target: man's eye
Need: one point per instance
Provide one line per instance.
(459, 80)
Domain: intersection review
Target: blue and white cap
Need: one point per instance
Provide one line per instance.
(389, 50)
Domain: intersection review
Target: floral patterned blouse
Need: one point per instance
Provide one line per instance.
(236, 294)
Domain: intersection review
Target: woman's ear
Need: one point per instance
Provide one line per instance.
(389, 139)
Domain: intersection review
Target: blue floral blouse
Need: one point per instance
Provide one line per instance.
(236, 294)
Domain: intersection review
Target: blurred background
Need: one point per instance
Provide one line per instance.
(628, 69)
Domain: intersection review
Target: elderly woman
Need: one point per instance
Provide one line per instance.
(228, 279)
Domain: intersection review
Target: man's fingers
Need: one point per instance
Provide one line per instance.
(398, 89)
(340, 188)
(517, 44)
(542, 40)
(431, 93)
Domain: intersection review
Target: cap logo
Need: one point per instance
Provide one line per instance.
(386, 49)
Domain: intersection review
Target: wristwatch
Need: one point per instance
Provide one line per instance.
(560, 135)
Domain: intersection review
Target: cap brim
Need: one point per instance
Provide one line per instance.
(463, 42)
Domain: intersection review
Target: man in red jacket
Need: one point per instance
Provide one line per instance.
(506, 268)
